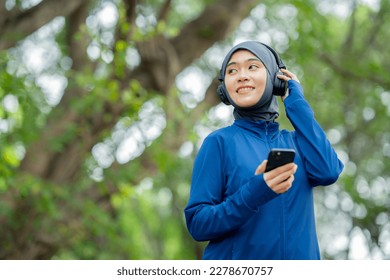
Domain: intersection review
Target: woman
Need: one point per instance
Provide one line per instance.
(244, 212)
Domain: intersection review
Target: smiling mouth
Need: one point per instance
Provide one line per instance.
(244, 89)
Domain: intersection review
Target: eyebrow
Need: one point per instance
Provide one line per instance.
(250, 59)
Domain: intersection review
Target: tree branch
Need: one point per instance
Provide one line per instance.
(77, 47)
(71, 157)
(214, 24)
(378, 23)
(349, 41)
(3, 13)
(164, 11)
(130, 7)
(17, 26)
(350, 74)
(166, 57)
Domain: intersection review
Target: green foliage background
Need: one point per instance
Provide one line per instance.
(119, 209)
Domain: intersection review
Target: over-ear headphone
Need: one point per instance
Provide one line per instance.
(279, 86)
(222, 92)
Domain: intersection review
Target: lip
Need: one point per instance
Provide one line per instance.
(245, 89)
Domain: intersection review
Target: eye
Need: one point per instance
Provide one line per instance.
(253, 67)
(231, 71)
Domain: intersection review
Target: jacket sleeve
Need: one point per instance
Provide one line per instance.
(209, 215)
(320, 159)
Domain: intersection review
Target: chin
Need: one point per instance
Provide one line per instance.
(246, 103)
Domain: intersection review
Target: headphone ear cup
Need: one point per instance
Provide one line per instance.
(280, 86)
(222, 93)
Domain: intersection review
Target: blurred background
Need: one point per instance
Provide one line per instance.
(104, 104)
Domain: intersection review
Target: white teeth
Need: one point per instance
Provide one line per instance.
(244, 89)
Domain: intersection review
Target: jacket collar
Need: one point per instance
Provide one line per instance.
(260, 128)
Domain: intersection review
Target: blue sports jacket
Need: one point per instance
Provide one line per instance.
(233, 209)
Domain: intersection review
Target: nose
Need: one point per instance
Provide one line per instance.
(243, 76)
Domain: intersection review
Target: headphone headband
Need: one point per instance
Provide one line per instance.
(277, 57)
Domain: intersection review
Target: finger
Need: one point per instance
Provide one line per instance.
(284, 186)
(287, 72)
(279, 182)
(283, 77)
(281, 169)
(290, 75)
(280, 179)
(261, 168)
(289, 175)
(284, 70)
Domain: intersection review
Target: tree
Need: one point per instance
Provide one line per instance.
(352, 90)
(103, 169)
(51, 174)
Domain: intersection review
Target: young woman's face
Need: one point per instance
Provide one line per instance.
(245, 78)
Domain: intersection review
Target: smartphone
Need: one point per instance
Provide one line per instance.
(279, 157)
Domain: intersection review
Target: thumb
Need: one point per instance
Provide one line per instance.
(261, 168)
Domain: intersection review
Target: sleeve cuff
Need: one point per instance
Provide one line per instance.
(295, 92)
(257, 193)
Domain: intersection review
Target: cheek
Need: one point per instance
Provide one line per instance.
(229, 85)
(261, 82)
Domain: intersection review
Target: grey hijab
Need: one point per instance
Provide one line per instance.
(267, 107)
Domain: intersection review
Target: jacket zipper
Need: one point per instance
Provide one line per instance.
(283, 228)
(283, 240)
